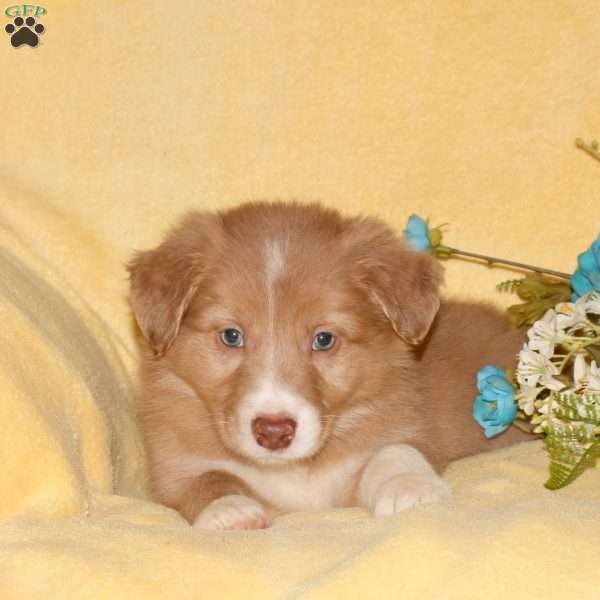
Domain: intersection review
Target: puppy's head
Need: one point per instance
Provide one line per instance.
(283, 318)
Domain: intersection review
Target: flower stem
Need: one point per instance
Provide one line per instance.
(519, 425)
(574, 351)
(591, 149)
(491, 260)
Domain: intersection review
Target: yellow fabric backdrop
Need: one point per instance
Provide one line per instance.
(130, 112)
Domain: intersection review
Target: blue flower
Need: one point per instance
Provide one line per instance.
(587, 276)
(417, 233)
(495, 407)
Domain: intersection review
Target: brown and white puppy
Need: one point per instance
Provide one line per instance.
(298, 359)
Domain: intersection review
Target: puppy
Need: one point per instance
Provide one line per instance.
(297, 359)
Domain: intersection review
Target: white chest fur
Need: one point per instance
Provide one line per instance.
(287, 487)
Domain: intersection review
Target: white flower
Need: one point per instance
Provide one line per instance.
(592, 303)
(527, 397)
(536, 369)
(571, 316)
(593, 383)
(545, 334)
(580, 371)
(543, 416)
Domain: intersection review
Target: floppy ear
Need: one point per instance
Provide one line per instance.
(403, 283)
(164, 280)
(408, 295)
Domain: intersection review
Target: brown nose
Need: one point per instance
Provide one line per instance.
(273, 431)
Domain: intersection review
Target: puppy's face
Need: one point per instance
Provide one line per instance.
(285, 320)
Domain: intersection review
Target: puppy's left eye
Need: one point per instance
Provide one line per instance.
(324, 340)
(232, 337)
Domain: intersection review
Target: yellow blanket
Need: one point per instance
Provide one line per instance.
(128, 113)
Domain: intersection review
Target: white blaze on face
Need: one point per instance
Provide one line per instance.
(274, 267)
(271, 396)
(274, 260)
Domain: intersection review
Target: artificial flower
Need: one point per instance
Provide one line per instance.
(536, 369)
(538, 294)
(556, 387)
(580, 371)
(542, 418)
(495, 407)
(527, 396)
(593, 382)
(571, 315)
(417, 234)
(592, 303)
(587, 276)
(545, 334)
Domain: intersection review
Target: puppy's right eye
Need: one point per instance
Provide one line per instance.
(232, 337)
(324, 340)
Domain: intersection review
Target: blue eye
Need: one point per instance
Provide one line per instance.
(232, 337)
(324, 340)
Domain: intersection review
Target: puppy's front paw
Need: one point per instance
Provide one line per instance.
(232, 512)
(403, 491)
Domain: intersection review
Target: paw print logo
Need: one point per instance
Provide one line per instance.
(24, 32)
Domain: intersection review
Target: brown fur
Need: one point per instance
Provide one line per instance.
(351, 275)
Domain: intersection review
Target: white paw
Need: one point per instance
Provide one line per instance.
(403, 491)
(232, 512)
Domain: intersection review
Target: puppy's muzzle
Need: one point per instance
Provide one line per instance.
(274, 432)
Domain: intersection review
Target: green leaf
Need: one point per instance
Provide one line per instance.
(527, 313)
(536, 286)
(564, 470)
(577, 408)
(510, 286)
(571, 439)
(539, 294)
(435, 237)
